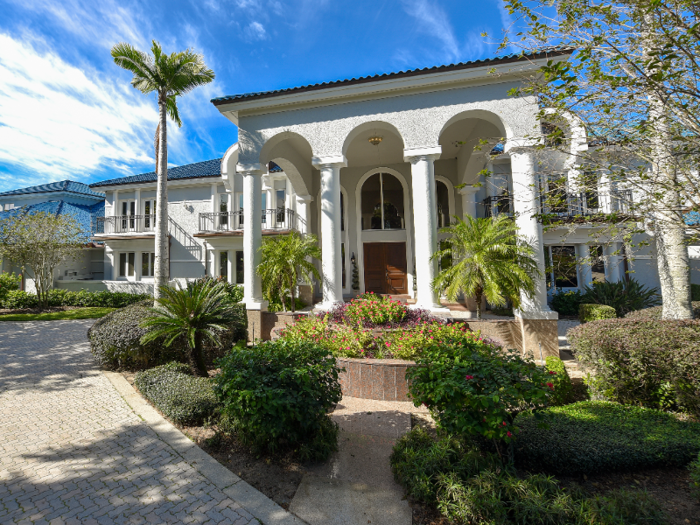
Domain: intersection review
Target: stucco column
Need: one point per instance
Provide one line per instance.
(468, 194)
(252, 235)
(331, 263)
(526, 206)
(613, 262)
(583, 259)
(425, 222)
(304, 212)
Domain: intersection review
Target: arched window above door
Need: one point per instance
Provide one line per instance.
(382, 203)
(443, 204)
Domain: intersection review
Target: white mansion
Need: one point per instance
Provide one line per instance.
(374, 166)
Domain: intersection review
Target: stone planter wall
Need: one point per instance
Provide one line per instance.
(379, 379)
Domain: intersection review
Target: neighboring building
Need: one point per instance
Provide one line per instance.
(61, 198)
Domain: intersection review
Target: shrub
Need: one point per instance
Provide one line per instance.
(595, 312)
(468, 487)
(695, 292)
(695, 477)
(19, 299)
(474, 388)
(371, 311)
(115, 341)
(563, 392)
(278, 395)
(656, 311)
(599, 436)
(184, 399)
(566, 303)
(649, 363)
(8, 283)
(624, 296)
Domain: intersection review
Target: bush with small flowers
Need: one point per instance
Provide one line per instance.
(473, 387)
(374, 311)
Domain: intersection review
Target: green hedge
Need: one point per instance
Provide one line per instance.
(563, 391)
(18, 299)
(656, 311)
(182, 398)
(595, 312)
(566, 303)
(8, 282)
(599, 436)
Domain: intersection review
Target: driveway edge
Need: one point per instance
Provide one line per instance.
(254, 501)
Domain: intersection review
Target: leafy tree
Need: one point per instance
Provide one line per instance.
(40, 242)
(488, 260)
(631, 89)
(199, 311)
(286, 259)
(169, 76)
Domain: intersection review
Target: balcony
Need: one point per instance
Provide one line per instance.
(274, 220)
(498, 205)
(124, 224)
(585, 205)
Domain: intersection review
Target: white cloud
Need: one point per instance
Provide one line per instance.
(256, 31)
(60, 121)
(432, 20)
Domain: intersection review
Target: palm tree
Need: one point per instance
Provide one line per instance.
(285, 259)
(197, 312)
(169, 76)
(488, 260)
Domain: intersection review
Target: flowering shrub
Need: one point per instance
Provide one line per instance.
(408, 344)
(650, 363)
(563, 389)
(472, 387)
(338, 340)
(369, 311)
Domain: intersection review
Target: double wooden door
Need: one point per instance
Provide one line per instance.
(385, 267)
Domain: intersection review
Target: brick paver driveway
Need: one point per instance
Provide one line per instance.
(71, 449)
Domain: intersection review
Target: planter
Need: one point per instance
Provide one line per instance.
(378, 379)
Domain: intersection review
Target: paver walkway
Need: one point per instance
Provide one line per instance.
(71, 449)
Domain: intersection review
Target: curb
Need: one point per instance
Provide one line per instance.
(255, 502)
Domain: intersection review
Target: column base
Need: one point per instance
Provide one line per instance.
(432, 308)
(540, 336)
(536, 314)
(327, 305)
(256, 304)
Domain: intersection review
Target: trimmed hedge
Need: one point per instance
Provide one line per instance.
(115, 340)
(18, 299)
(656, 311)
(595, 312)
(563, 391)
(566, 303)
(182, 398)
(599, 436)
(8, 282)
(649, 363)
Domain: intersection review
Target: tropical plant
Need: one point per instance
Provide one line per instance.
(489, 260)
(286, 259)
(169, 76)
(8, 282)
(200, 311)
(40, 242)
(624, 296)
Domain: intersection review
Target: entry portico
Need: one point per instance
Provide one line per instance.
(383, 157)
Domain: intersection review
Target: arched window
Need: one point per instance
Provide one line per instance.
(443, 205)
(382, 203)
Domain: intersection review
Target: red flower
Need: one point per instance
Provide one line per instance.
(468, 377)
(504, 423)
(509, 434)
(551, 372)
(550, 385)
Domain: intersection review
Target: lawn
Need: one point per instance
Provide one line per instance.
(77, 313)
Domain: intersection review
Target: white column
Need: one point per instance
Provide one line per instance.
(613, 262)
(526, 206)
(468, 194)
(425, 222)
(230, 265)
(304, 212)
(330, 229)
(583, 260)
(252, 235)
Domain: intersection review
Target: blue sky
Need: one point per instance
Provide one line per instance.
(66, 111)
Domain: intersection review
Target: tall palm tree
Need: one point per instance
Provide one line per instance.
(199, 311)
(488, 260)
(169, 76)
(285, 259)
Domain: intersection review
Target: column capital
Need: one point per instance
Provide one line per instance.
(329, 161)
(468, 190)
(252, 168)
(415, 154)
(305, 199)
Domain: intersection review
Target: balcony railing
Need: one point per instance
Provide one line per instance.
(586, 204)
(125, 224)
(273, 219)
(498, 205)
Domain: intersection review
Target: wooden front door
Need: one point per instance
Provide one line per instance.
(385, 267)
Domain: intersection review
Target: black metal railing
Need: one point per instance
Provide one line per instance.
(273, 219)
(497, 205)
(586, 204)
(125, 224)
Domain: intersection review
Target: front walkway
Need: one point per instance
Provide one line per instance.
(73, 451)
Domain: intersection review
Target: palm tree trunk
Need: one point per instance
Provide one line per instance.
(162, 257)
(479, 295)
(196, 358)
(292, 280)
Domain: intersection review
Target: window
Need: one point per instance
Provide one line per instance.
(149, 211)
(382, 203)
(443, 205)
(342, 259)
(240, 207)
(126, 264)
(597, 264)
(223, 265)
(342, 212)
(561, 266)
(281, 205)
(128, 209)
(148, 264)
(9, 207)
(223, 209)
(239, 267)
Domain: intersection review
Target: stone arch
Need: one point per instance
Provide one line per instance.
(367, 126)
(482, 114)
(293, 174)
(266, 152)
(228, 166)
(291, 152)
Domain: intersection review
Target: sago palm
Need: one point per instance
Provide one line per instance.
(195, 313)
(169, 76)
(285, 259)
(488, 260)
